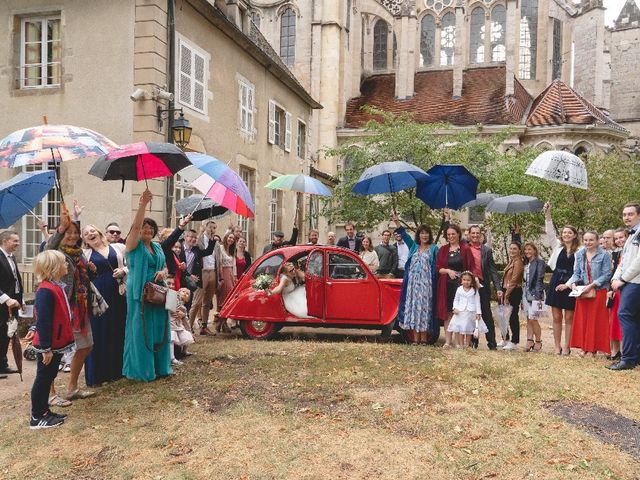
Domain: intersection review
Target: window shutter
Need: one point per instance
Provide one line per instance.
(241, 93)
(287, 132)
(199, 77)
(184, 88)
(250, 108)
(272, 122)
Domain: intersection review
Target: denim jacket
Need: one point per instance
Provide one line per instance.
(600, 269)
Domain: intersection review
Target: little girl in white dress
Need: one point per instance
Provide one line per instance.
(467, 315)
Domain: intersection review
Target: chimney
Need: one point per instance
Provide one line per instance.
(406, 25)
(458, 56)
(510, 47)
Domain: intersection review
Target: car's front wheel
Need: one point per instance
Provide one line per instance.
(257, 329)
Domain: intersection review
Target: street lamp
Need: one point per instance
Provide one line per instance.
(180, 127)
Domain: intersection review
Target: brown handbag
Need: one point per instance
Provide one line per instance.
(154, 293)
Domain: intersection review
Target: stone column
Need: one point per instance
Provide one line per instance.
(458, 56)
(405, 27)
(510, 46)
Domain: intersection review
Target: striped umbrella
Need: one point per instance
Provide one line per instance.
(220, 183)
(299, 183)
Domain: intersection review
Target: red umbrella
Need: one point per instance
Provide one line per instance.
(140, 161)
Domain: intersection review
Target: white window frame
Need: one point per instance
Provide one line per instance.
(247, 175)
(246, 106)
(275, 208)
(279, 126)
(44, 52)
(287, 131)
(204, 82)
(302, 145)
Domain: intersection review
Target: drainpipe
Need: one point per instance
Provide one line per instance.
(171, 33)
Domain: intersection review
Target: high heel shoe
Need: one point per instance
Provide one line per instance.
(617, 356)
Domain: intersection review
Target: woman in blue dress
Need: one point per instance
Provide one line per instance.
(416, 310)
(147, 340)
(104, 363)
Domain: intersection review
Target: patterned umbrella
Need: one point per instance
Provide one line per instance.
(299, 183)
(561, 167)
(220, 183)
(140, 161)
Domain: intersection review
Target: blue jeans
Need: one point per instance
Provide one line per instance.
(629, 316)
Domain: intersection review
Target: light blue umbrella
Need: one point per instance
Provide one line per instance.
(388, 177)
(21, 194)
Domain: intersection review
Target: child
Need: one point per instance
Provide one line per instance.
(179, 323)
(53, 335)
(466, 309)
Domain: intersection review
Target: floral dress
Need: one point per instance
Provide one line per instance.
(417, 312)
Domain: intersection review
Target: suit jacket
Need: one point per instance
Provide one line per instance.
(344, 243)
(199, 253)
(8, 285)
(292, 241)
(488, 267)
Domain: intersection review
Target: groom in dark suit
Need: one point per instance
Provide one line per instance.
(10, 291)
(350, 240)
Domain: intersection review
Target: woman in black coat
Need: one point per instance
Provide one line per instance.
(534, 295)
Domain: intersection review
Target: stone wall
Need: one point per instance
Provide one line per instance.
(625, 81)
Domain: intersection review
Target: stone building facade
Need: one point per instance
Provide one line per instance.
(245, 106)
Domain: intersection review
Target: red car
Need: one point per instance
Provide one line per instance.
(341, 292)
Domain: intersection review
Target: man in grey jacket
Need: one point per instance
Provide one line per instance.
(388, 257)
(486, 272)
(626, 279)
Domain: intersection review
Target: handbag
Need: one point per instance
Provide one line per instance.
(98, 304)
(154, 293)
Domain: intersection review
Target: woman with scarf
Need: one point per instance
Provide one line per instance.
(168, 240)
(104, 363)
(77, 287)
(147, 338)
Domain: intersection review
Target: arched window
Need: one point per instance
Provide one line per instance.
(427, 40)
(528, 39)
(476, 36)
(498, 33)
(288, 36)
(380, 35)
(556, 61)
(447, 38)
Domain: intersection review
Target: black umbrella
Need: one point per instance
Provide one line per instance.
(199, 207)
(515, 204)
(481, 200)
(140, 161)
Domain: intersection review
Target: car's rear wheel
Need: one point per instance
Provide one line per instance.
(387, 330)
(258, 330)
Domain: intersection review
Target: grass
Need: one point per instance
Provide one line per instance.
(339, 409)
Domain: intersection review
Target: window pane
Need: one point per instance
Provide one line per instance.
(427, 40)
(557, 50)
(33, 53)
(288, 36)
(380, 34)
(53, 30)
(343, 267)
(498, 33)
(528, 39)
(33, 31)
(315, 264)
(476, 39)
(447, 38)
(269, 266)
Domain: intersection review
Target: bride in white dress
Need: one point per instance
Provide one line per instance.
(293, 292)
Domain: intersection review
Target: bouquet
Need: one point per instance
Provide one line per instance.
(262, 282)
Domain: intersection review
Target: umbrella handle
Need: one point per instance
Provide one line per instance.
(145, 177)
(196, 207)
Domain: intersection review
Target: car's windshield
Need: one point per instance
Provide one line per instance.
(269, 266)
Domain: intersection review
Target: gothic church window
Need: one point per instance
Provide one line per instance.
(498, 33)
(528, 39)
(476, 37)
(427, 40)
(288, 36)
(447, 38)
(556, 59)
(380, 34)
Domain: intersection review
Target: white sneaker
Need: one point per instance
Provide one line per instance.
(510, 346)
(502, 343)
(176, 362)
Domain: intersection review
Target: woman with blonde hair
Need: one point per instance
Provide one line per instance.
(104, 363)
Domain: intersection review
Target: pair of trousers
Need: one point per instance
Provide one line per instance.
(45, 375)
(4, 343)
(487, 316)
(514, 320)
(629, 316)
(203, 298)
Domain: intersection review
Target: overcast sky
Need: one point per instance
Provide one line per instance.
(613, 10)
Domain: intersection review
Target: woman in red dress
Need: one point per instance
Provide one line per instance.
(592, 272)
(243, 258)
(619, 239)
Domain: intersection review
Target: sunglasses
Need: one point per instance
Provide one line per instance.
(114, 232)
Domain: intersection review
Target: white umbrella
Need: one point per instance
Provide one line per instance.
(561, 167)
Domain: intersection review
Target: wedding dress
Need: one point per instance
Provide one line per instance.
(295, 299)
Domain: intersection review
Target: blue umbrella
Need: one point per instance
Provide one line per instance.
(388, 177)
(21, 194)
(447, 186)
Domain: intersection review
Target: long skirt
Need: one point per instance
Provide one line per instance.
(615, 330)
(590, 330)
(228, 284)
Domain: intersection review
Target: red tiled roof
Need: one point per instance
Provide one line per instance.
(559, 104)
(482, 101)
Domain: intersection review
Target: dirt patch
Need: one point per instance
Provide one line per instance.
(604, 424)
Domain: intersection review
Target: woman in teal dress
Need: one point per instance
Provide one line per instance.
(146, 346)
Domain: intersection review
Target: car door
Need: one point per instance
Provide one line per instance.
(314, 283)
(351, 291)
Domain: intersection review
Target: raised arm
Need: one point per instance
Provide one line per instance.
(134, 233)
(549, 229)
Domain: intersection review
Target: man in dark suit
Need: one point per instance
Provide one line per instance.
(10, 292)
(485, 270)
(351, 240)
(192, 256)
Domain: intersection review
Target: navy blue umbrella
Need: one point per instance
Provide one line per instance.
(388, 177)
(447, 186)
(22, 193)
